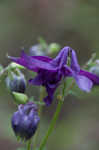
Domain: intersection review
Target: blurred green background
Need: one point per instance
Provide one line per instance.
(67, 22)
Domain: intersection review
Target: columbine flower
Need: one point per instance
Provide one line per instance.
(25, 121)
(50, 71)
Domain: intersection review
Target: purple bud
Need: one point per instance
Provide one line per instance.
(25, 120)
(95, 70)
(17, 83)
(36, 50)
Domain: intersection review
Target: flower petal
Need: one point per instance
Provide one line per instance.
(48, 99)
(36, 81)
(67, 71)
(94, 78)
(83, 83)
(43, 58)
(74, 62)
(34, 63)
(61, 58)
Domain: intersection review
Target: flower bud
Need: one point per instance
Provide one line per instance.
(20, 98)
(95, 70)
(16, 83)
(25, 121)
(97, 61)
(14, 66)
(53, 48)
(36, 50)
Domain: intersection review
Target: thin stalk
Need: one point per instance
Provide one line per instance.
(39, 113)
(29, 145)
(51, 127)
(53, 122)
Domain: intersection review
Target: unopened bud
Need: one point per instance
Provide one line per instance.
(53, 48)
(59, 97)
(14, 66)
(95, 70)
(25, 121)
(16, 83)
(36, 50)
(97, 61)
(20, 98)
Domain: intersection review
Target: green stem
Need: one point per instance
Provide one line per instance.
(39, 113)
(29, 145)
(56, 115)
(52, 124)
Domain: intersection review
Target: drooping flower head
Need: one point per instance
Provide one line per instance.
(25, 120)
(51, 71)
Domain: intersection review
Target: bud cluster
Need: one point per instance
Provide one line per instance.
(25, 120)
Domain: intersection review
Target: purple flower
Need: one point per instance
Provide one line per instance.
(25, 120)
(84, 79)
(51, 71)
